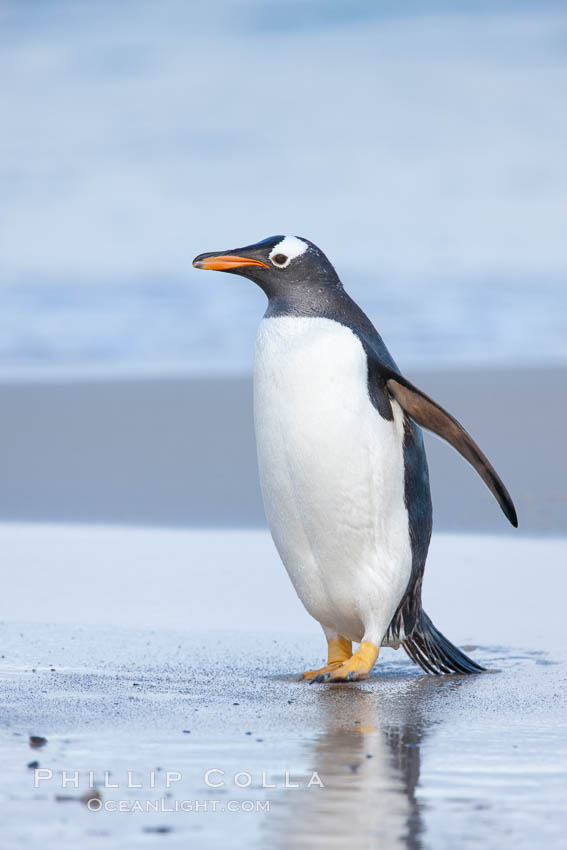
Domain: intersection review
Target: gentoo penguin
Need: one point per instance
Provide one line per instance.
(342, 463)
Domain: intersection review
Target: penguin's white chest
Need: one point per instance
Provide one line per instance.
(332, 475)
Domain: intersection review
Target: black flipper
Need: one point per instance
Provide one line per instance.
(431, 650)
(433, 417)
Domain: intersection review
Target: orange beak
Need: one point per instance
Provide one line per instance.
(224, 262)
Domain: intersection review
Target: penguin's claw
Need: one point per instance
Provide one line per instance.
(356, 669)
(341, 676)
(312, 675)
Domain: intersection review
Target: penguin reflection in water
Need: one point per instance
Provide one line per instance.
(342, 463)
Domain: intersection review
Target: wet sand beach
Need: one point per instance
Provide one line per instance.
(166, 678)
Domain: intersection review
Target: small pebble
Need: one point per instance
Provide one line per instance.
(90, 794)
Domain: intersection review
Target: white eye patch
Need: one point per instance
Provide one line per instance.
(290, 247)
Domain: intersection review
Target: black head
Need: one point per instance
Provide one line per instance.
(283, 266)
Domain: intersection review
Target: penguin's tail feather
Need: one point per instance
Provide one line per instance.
(435, 654)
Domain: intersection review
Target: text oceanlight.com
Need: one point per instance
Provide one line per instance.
(171, 806)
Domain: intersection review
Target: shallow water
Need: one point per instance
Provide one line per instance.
(185, 661)
(405, 760)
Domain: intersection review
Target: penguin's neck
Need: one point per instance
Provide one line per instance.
(323, 301)
(330, 302)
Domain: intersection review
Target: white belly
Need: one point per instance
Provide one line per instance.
(332, 475)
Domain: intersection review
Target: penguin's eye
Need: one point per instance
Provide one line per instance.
(279, 260)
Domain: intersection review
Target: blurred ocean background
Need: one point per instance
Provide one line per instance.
(421, 145)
